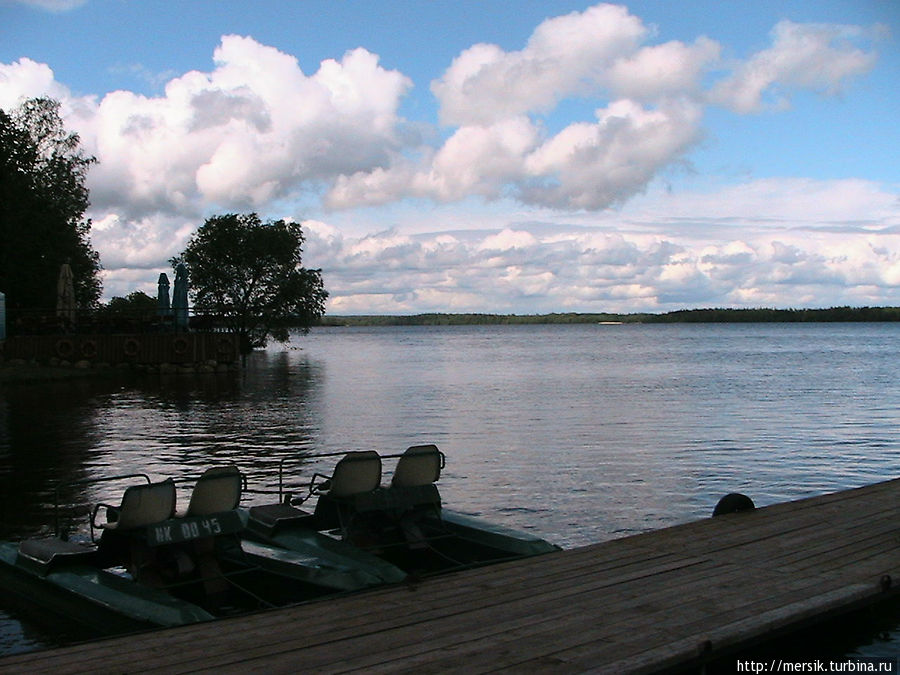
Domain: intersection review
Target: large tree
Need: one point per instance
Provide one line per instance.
(249, 273)
(42, 203)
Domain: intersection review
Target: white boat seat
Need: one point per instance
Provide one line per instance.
(419, 465)
(356, 473)
(218, 489)
(142, 505)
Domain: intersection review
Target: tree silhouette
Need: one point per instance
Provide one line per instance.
(249, 273)
(42, 203)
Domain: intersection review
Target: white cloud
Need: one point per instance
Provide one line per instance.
(669, 69)
(25, 79)
(143, 244)
(584, 166)
(819, 57)
(55, 6)
(565, 55)
(595, 53)
(634, 261)
(254, 129)
(257, 133)
(783, 202)
(592, 166)
(508, 240)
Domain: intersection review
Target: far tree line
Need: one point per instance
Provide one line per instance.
(246, 272)
(712, 315)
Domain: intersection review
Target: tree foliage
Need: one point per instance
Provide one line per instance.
(42, 203)
(249, 273)
(134, 305)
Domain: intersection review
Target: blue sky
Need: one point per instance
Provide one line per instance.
(492, 156)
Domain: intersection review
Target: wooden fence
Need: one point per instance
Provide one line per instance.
(135, 348)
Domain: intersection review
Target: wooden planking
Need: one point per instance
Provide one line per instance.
(635, 604)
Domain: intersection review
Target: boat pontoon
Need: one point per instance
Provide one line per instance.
(403, 523)
(151, 566)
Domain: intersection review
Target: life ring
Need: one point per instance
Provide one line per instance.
(225, 345)
(131, 347)
(180, 346)
(64, 348)
(733, 502)
(89, 349)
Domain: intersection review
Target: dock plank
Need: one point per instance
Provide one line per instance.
(652, 601)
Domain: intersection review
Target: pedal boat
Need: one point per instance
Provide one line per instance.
(151, 567)
(404, 523)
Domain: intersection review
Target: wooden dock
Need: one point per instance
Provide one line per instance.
(666, 599)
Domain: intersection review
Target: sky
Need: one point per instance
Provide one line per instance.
(492, 156)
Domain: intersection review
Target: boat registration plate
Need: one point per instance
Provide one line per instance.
(186, 529)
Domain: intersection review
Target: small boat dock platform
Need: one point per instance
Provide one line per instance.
(669, 599)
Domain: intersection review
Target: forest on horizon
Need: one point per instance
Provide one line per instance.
(714, 315)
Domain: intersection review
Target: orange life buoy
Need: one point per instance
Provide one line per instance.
(64, 348)
(131, 347)
(89, 349)
(180, 346)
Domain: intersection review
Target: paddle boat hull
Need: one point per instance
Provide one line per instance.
(403, 524)
(329, 559)
(62, 578)
(153, 568)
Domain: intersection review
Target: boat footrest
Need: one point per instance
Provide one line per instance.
(271, 515)
(44, 552)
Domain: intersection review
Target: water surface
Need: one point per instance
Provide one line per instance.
(578, 433)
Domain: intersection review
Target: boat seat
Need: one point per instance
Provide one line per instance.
(141, 505)
(218, 489)
(413, 495)
(355, 473)
(419, 465)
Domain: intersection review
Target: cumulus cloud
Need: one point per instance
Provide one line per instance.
(256, 129)
(591, 166)
(818, 57)
(587, 165)
(634, 260)
(564, 55)
(651, 116)
(595, 52)
(252, 130)
(24, 79)
(255, 132)
(501, 149)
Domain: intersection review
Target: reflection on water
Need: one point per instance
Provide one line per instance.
(580, 433)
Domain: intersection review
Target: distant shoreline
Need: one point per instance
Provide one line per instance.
(763, 315)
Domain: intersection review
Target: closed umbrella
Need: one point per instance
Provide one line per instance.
(162, 295)
(180, 297)
(65, 294)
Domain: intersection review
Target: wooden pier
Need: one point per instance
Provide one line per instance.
(663, 600)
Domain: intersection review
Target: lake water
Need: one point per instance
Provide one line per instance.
(579, 433)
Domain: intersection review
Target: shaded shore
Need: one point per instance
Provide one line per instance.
(19, 373)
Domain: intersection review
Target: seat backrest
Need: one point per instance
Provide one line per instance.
(218, 489)
(356, 472)
(146, 504)
(419, 465)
